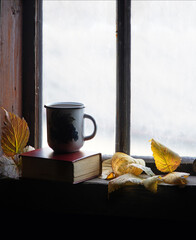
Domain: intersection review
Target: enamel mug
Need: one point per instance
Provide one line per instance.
(65, 126)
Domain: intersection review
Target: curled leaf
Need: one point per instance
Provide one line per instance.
(129, 179)
(123, 180)
(110, 176)
(134, 167)
(121, 164)
(15, 134)
(165, 159)
(107, 172)
(179, 178)
(151, 183)
(8, 168)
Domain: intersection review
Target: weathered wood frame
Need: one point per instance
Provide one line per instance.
(21, 63)
(90, 197)
(23, 94)
(123, 77)
(10, 57)
(32, 69)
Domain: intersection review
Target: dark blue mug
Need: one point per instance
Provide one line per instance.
(65, 126)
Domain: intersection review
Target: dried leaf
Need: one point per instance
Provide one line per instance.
(129, 179)
(107, 172)
(123, 180)
(134, 167)
(121, 164)
(8, 168)
(151, 183)
(110, 176)
(179, 178)
(15, 134)
(165, 159)
(28, 149)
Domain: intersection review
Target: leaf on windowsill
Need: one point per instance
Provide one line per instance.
(134, 167)
(110, 176)
(8, 168)
(178, 178)
(15, 134)
(129, 179)
(107, 172)
(122, 163)
(126, 171)
(151, 183)
(12, 168)
(123, 180)
(165, 159)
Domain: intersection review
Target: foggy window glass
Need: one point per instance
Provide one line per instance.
(163, 75)
(79, 63)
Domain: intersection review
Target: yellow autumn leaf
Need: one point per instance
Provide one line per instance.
(121, 167)
(121, 164)
(110, 176)
(107, 172)
(123, 180)
(179, 178)
(129, 179)
(135, 167)
(151, 183)
(15, 134)
(165, 159)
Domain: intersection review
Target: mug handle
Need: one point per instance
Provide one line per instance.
(95, 127)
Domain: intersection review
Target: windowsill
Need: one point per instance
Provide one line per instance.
(90, 197)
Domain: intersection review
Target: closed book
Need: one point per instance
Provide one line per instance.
(74, 167)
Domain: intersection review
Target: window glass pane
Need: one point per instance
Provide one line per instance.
(163, 75)
(79, 63)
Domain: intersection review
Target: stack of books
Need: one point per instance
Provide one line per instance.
(73, 168)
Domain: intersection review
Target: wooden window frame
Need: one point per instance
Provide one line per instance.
(10, 56)
(123, 77)
(32, 69)
(94, 191)
(32, 72)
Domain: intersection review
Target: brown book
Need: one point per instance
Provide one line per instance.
(74, 167)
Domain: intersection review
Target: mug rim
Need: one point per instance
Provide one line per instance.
(65, 105)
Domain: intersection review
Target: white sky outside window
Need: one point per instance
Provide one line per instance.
(79, 63)
(163, 75)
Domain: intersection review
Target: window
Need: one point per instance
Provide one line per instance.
(163, 75)
(162, 70)
(79, 63)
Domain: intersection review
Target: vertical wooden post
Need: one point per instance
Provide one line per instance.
(123, 93)
(10, 57)
(32, 69)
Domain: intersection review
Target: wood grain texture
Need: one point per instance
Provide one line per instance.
(31, 69)
(10, 56)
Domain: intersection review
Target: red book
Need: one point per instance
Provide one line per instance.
(74, 167)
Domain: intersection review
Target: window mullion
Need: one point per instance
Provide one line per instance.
(123, 89)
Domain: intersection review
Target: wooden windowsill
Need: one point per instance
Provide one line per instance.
(91, 197)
